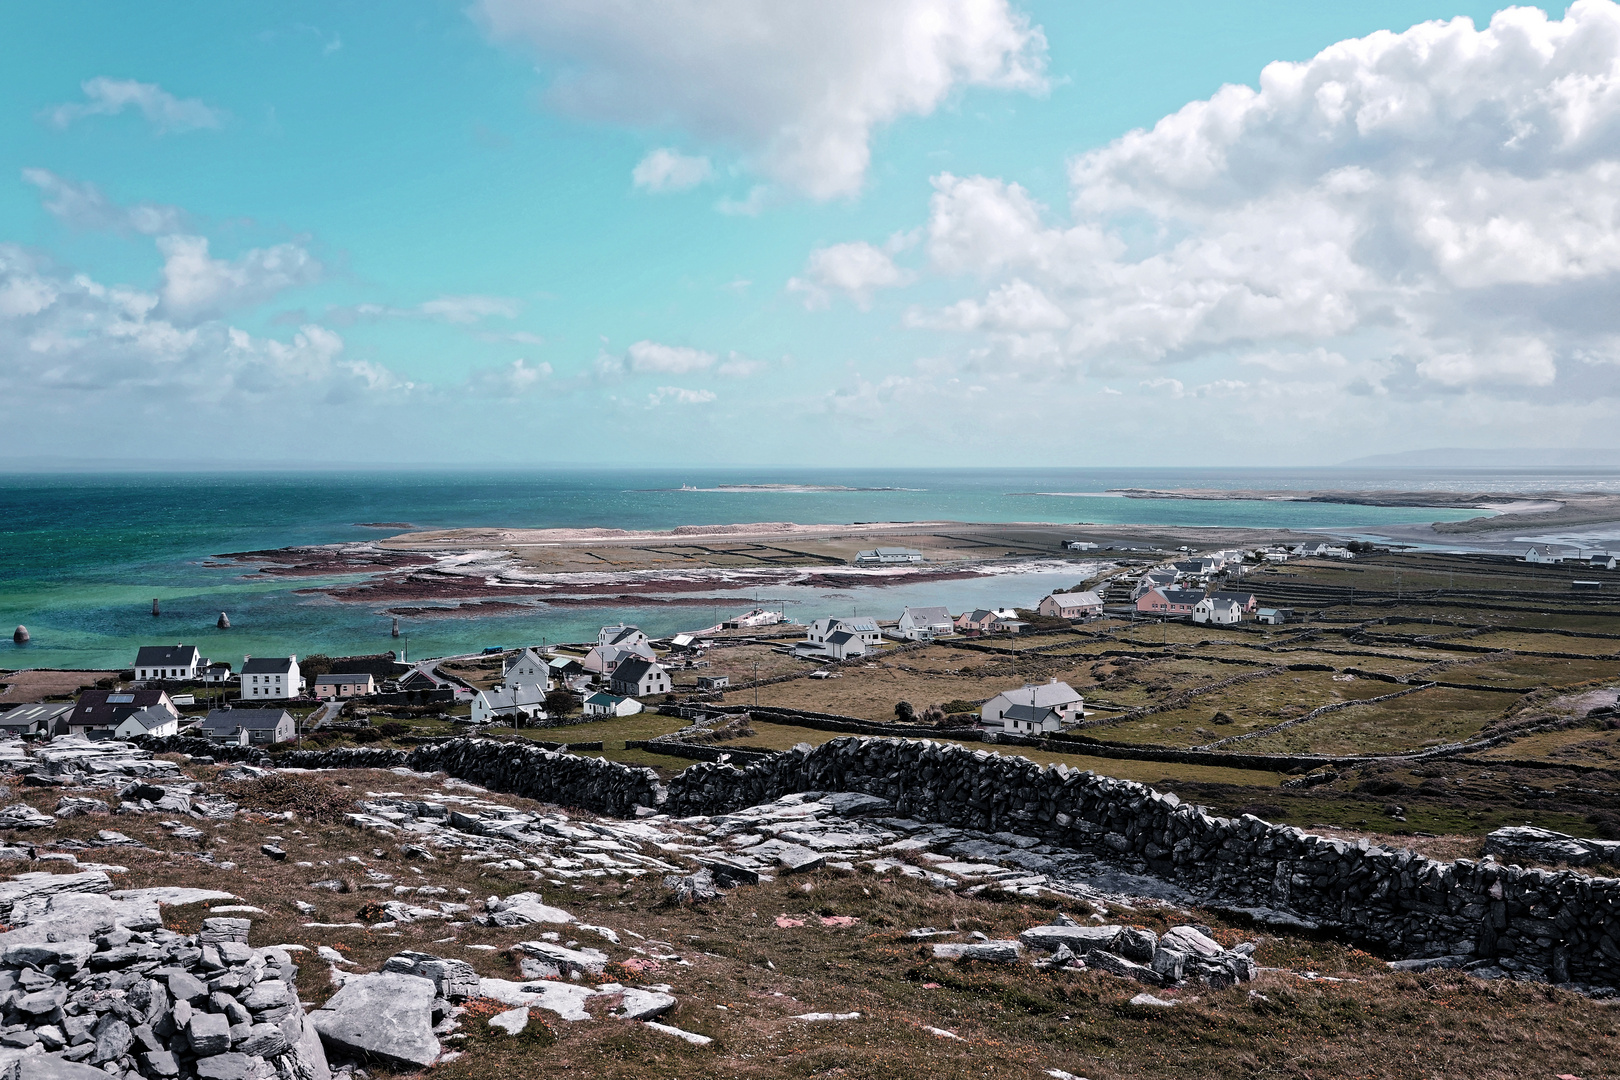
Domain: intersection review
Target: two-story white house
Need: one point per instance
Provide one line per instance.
(839, 639)
(621, 634)
(1217, 610)
(270, 678)
(638, 678)
(529, 668)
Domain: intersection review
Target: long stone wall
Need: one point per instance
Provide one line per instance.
(1562, 926)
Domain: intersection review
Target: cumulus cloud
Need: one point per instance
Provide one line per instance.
(670, 170)
(856, 269)
(797, 88)
(195, 282)
(68, 334)
(83, 206)
(164, 111)
(1440, 207)
(650, 357)
(509, 381)
(679, 396)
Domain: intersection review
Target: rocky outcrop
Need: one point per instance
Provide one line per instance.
(1545, 846)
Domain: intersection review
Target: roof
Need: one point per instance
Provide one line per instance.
(861, 624)
(603, 698)
(561, 662)
(340, 680)
(979, 615)
(621, 632)
(514, 697)
(104, 708)
(841, 637)
(1242, 599)
(1029, 714)
(226, 721)
(35, 713)
(152, 716)
(1042, 695)
(527, 654)
(1088, 598)
(927, 615)
(1188, 597)
(633, 671)
(166, 656)
(267, 665)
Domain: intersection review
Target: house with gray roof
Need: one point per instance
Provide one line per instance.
(35, 718)
(924, 624)
(247, 727)
(638, 678)
(271, 677)
(153, 720)
(1058, 697)
(168, 662)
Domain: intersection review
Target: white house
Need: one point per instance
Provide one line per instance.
(1031, 720)
(1078, 605)
(1221, 612)
(217, 672)
(750, 619)
(1323, 551)
(1544, 554)
(638, 678)
(1079, 545)
(1274, 616)
(529, 668)
(621, 634)
(247, 727)
(888, 556)
(153, 720)
(168, 662)
(271, 678)
(527, 701)
(600, 704)
(1060, 698)
(839, 639)
(924, 623)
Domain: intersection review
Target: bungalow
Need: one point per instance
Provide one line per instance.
(1249, 602)
(1031, 720)
(525, 700)
(1274, 616)
(1171, 603)
(98, 712)
(217, 672)
(621, 634)
(153, 720)
(271, 677)
(1007, 625)
(1219, 612)
(1080, 605)
(529, 668)
(564, 667)
(1058, 697)
(924, 624)
(1543, 554)
(830, 645)
(247, 727)
(713, 682)
(976, 621)
(330, 687)
(1079, 545)
(34, 719)
(600, 704)
(638, 678)
(168, 662)
(1599, 560)
(888, 556)
(1196, 567)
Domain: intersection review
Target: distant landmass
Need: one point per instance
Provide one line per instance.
(1465, 458)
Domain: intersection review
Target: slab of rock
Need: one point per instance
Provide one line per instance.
(643, 1004)
(522, 909)
(1545, 846)
(992, 952)
(796, 858)
(1118, 965)
(512, 1021)
(566, 999)
(208, 1033)
(552, 961)
(55, 1067)
(1079, 939)
(690, 1036)
(386, 1015)
(455, 980)
(39, 884)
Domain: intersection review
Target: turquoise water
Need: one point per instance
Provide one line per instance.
(83, 556)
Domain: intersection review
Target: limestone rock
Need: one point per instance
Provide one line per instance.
(387, 1015)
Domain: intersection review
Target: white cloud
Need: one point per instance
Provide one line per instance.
(194, 282)
(1438, 207)
(509, 381)
(164, 111)
(856, 269)
(669, 170)
(470, 309)
(738, 366)
(650, 357)
(796, 87)
(83, 206)
(680, 396)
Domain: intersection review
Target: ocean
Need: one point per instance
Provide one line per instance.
(82, 556)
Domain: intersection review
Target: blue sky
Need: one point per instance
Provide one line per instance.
(884, 232)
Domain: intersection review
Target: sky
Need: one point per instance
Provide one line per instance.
(843, 232)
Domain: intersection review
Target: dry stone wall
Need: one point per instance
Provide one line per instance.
(1562, 926)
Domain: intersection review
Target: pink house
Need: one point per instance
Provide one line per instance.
(1169, 603)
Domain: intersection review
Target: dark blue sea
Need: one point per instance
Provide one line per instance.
(82, 556)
